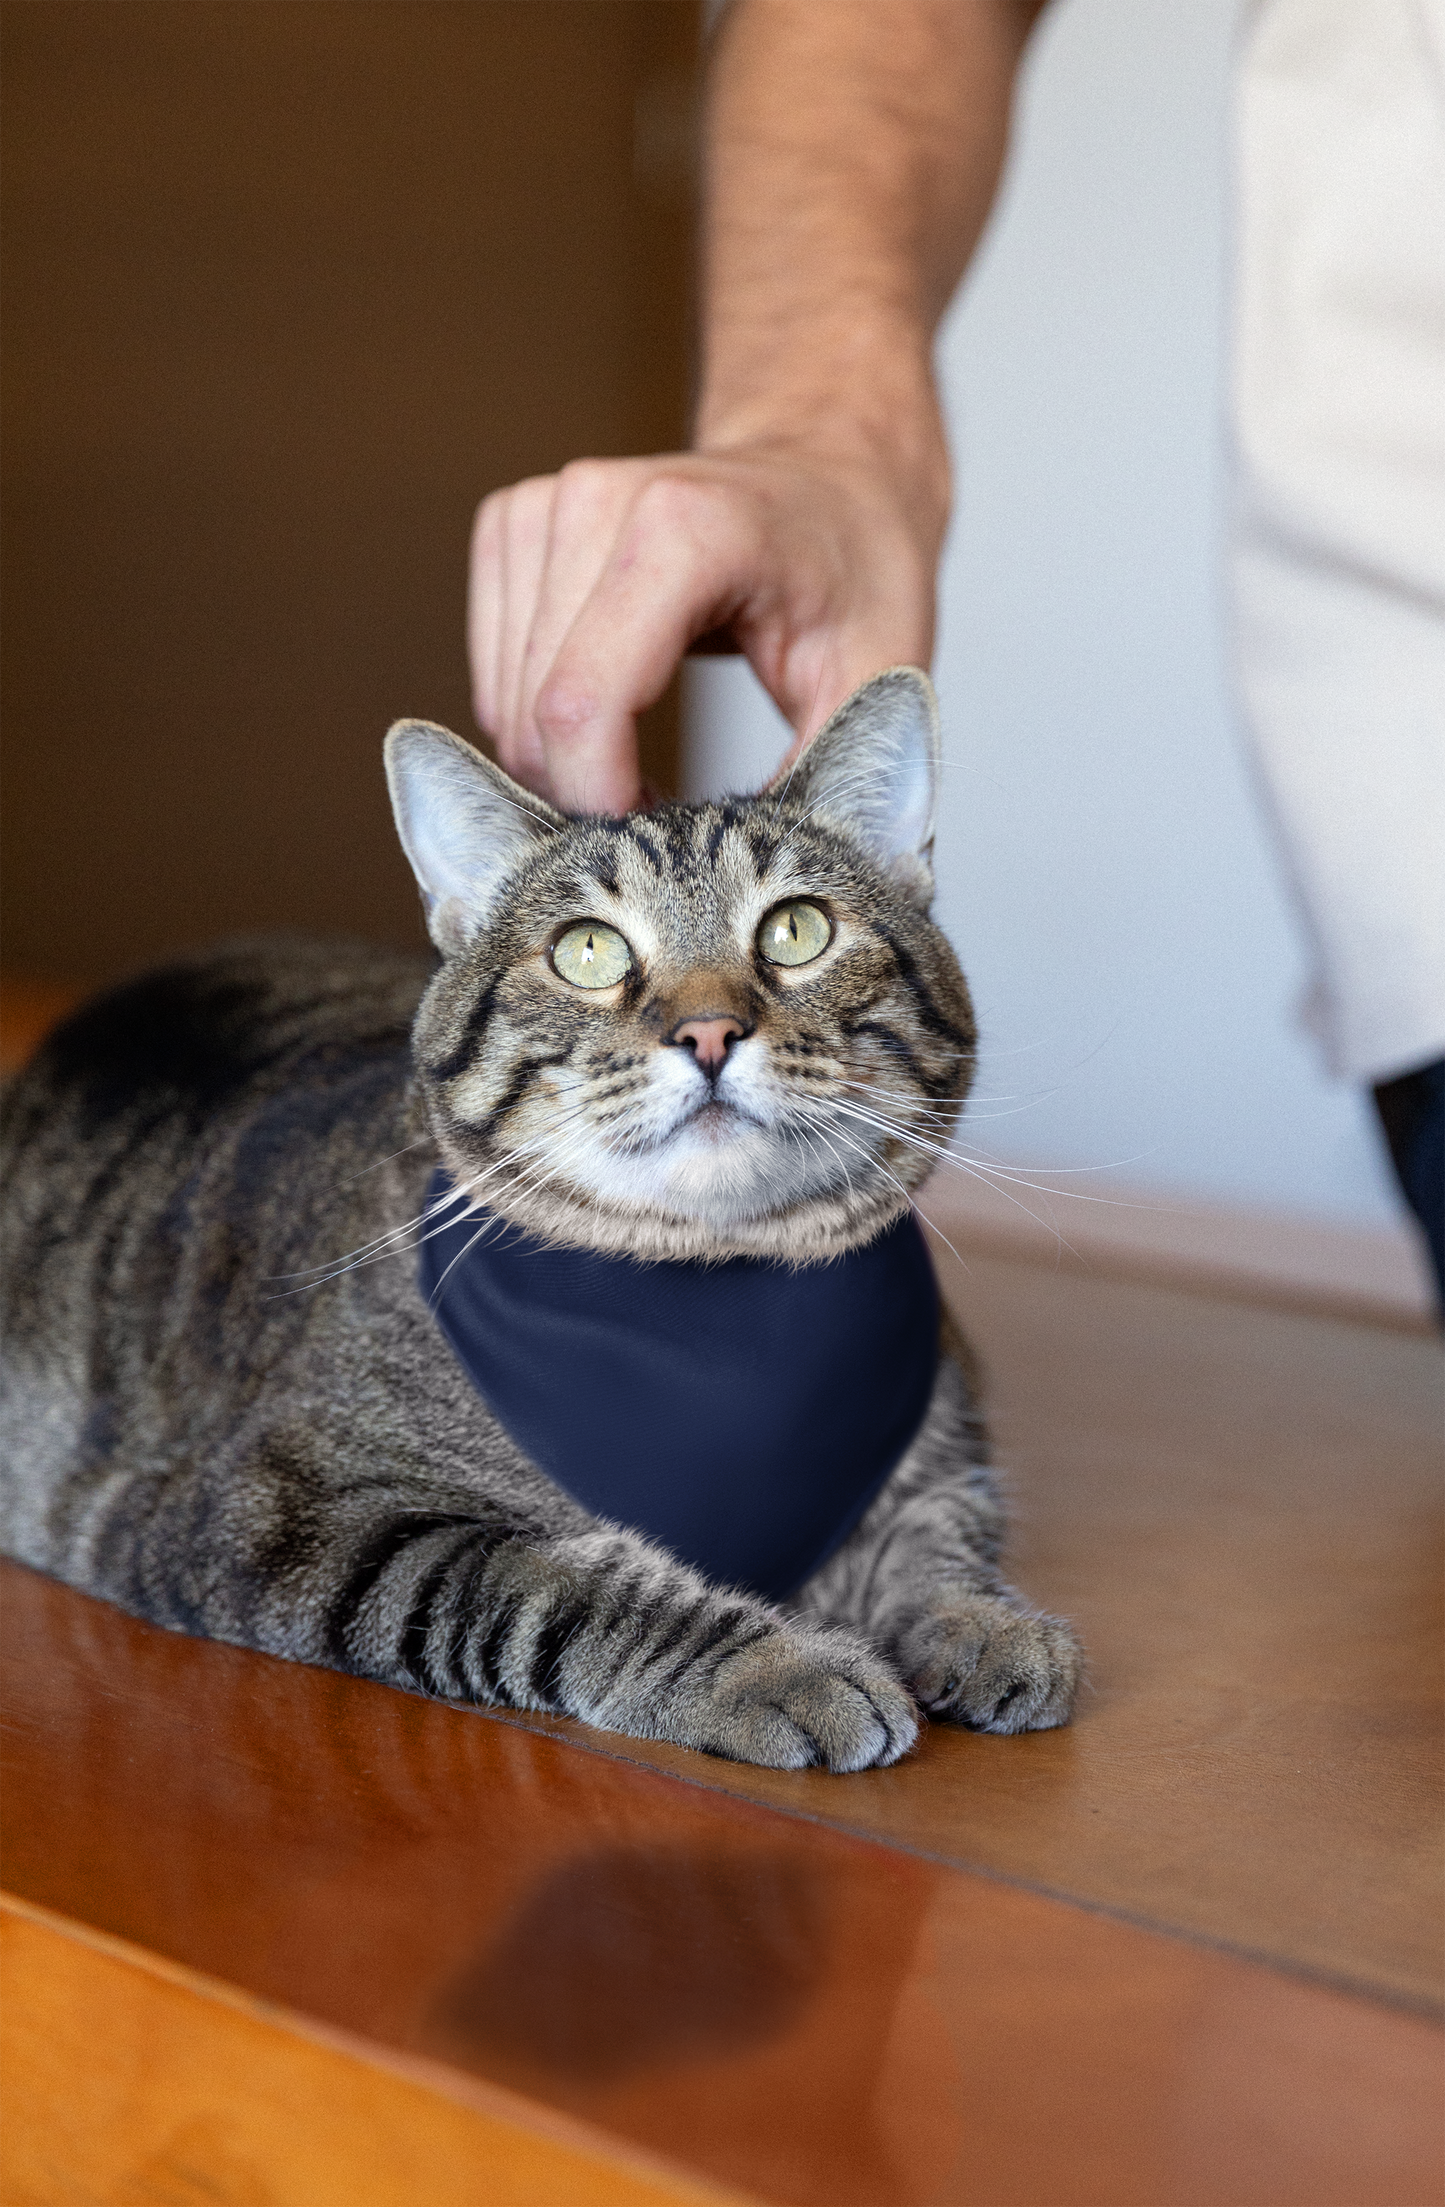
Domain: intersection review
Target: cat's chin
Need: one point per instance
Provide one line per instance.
(712, 1191)
(720, 1169)
(810, 1233)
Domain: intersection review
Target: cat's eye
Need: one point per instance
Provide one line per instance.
(794, 934)
(592, 956)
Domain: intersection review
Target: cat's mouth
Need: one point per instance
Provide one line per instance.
(714, 1121)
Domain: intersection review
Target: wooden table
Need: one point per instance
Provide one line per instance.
(278, 1936)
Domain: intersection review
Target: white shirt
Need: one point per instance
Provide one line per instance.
(1338, 388)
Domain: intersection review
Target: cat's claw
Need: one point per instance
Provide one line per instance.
(794, 1699)
(982, 1661)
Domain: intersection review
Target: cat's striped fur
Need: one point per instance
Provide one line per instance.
(226, 1407)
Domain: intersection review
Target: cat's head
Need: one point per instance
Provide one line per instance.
(707, 1030)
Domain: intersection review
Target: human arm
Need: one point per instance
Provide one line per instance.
(852, 154)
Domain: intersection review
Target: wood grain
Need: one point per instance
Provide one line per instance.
(772, 2005)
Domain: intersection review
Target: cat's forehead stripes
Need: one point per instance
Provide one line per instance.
(692, 869)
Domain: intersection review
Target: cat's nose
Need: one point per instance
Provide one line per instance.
(709, 1039)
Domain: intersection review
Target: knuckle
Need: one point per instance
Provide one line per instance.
(591, 483)
(564, 704)
(699, 529)
(502, 513)
(671, 499)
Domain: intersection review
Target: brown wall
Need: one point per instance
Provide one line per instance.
(287, 288)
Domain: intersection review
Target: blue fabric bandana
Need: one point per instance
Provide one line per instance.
(742, 1414)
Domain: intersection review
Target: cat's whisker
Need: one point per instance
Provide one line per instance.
(984, 1118)
(1049, 1225)
(950, 1153)
(951, 1160)
(949, 1157)
(1001, 1178)
(861, 1148)
(465, 1251)
(390, 1159)
(378, 1246)
(863, 777)
(780, 796)
(906, 1193)
(533, 1175)
(966, 1107)
(891, 1127)
(566, 1125)
(813, 1150)
(946, 1114)
(393, 1242)
(841, 1162)
(533, 1179)
(498, 796)
(310, 1272)
(912, 1096)
(952, 1156)
(380, 1242)
(1056, 1173)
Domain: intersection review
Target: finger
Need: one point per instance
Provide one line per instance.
(807, 681)
(875, 610)
(592, 502)
(683, 559)
(524, 546)
(824, 668)
(484, 610)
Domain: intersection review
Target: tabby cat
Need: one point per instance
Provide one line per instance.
(719, 1038)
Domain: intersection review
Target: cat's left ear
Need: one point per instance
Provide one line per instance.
(873, 770)
(463, 823)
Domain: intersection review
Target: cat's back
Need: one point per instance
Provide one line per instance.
(199, 1039)
(166, 1141)
(173, 1153)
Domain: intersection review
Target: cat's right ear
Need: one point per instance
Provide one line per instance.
(463, 823)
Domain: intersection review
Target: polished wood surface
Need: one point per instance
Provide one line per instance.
(760, 2000)
(146, 2085)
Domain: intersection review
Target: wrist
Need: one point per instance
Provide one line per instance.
(857, 402)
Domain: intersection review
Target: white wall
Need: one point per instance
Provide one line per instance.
(1103, 869)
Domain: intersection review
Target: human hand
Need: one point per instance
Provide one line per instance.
(587, 587)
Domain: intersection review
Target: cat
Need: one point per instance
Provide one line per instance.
(717, 1038)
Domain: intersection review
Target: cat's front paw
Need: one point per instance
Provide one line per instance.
(796, 1698)
(981, 1660)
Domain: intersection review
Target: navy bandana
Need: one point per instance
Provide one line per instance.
(741, 1414)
